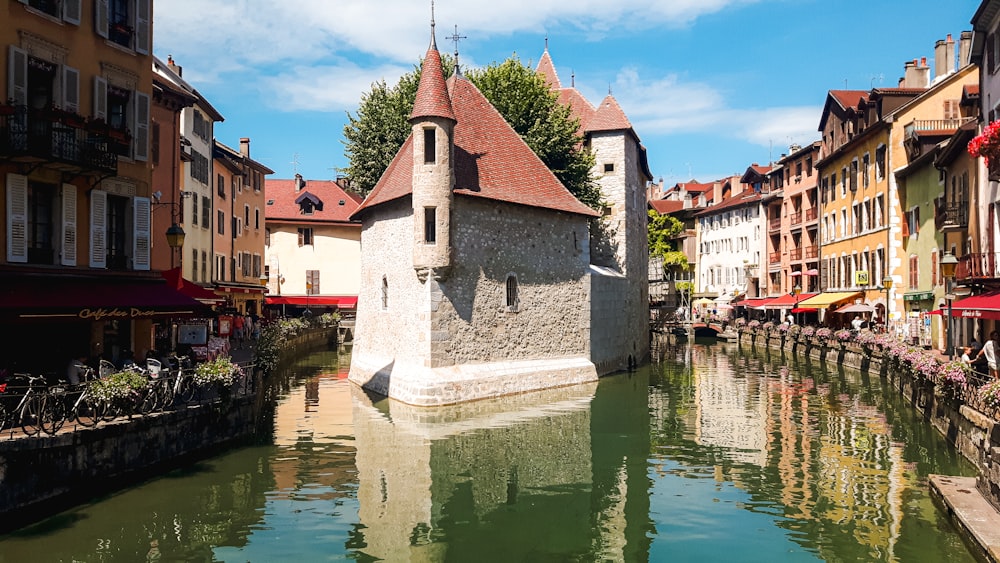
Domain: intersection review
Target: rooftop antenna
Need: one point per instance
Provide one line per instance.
(295, 163)
(456, 38)
(878, 77)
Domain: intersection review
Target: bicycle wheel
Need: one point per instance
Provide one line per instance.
(148, 402)
(4, 416)
(53, 414)
(31, 415)
(87, 411)
(187, 390)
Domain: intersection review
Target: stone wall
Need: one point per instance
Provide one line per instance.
(976, 435)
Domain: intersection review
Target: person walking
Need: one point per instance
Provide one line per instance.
(989, 351)
(238, 325)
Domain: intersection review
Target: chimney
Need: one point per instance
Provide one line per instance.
(299, 183)
(173, 67)
(941, 58)
(245, 146)
(916, 74)
(964, 48)
(923, 74)
(949, 54)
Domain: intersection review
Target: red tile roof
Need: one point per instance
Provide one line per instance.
(548, 71)
(849, 98)
(608, 117)
(664, 206)
(746, 197)
(491, 161)
(695, 187)
(432, 94)
(283, 195)
(580, 107)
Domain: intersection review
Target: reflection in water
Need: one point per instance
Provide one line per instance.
(710, 454)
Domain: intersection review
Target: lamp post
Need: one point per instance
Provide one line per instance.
(887, 286)
(797, 290)
(307, 313)
(175, 233)
(948, 264)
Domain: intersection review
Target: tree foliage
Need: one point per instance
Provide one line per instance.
(374, 136)
(662, 231)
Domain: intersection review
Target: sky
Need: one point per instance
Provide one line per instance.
(710, 86)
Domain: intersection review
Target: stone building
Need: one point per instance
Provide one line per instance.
(476, 271)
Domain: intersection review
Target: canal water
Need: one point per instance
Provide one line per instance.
(711, 453)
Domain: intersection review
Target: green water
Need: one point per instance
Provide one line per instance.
(705, 455)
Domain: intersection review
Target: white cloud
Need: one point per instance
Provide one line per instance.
(325, 88)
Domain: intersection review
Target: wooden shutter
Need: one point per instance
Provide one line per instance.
(141, 242)
(71, 11)
(142, 18)
(68, 251)
(98, 229)
(101, 18)
(141, 140)
(71, 89)
(17, 218)
(17, 76)
(100, 98)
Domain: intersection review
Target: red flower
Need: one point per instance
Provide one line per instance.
(987, 143)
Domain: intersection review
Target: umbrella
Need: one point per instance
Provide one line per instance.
(702, 301)
(856, 308)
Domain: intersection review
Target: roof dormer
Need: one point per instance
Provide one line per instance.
(308, 203)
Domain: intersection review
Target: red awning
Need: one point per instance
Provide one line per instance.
(753, 303)
(340, 301)
(93, 299)
(192, 290)
(803, 310)
(787, 301)
(985, 306)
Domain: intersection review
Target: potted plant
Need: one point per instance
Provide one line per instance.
(220, 373)
(987, 146)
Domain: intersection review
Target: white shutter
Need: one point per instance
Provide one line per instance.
(141, 139)
(71, 89)
(140, 244)
(98, 229)
(69, 194)
(17, 218)
(71, 11)
(100, 98)
(142, 8)
(101, 18)
(17, 76)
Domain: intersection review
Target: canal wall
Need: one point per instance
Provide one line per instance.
(975, 434)
(42, 475)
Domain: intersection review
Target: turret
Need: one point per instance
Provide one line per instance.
(433, 122)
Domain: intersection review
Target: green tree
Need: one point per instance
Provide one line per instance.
(381, 126)
(662, 231)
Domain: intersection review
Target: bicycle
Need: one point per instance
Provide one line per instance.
(28, 412)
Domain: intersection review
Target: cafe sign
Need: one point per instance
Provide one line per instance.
(102, 313)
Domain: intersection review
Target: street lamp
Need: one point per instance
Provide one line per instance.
(948, 264)
(887, 286)
(797, 290)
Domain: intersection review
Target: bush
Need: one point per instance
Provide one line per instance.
(118, 385)
(951, 379)
(990, 394)
(843, 335)
(221, 370)
(808, 331)
(823, 334)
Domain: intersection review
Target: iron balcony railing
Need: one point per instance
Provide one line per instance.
(796, 218)
(812, 252)
(977, 266)
(56, 136)
(956, 215)
(795, 254)
(774, 224)
(774, 258)
(812, 214)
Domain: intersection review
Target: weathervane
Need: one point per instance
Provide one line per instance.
(456, 38)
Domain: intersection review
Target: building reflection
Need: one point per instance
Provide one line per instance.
(518, 477)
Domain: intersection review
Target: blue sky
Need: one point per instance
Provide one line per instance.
(710, 86)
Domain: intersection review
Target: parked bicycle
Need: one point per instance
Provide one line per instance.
(30, 409)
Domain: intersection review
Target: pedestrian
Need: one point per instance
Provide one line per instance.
(791, 319)
(989, 351)
(856, 323)
(77, 369)
(966, 357)
(238, 324)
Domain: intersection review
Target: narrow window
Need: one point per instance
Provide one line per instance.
(512, 297)
(305, 236)
(430, 146)
(221, 222)
(430, 225)
(609, 168)
(385, 293)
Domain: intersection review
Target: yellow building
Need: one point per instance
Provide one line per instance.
(74, 166)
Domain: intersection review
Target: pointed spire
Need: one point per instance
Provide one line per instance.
(547, 69)
(432, 93)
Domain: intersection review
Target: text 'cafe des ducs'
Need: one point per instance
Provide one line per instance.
(50, 319)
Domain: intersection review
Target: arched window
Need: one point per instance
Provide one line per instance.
(513, 300)
(385, 293)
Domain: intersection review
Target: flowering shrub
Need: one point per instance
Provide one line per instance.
(951, 380)
(808, 331)
(768, 326)
(990, 394)
(843, 335)
(866, 339)
(783, 328)
(823, 334)
(753, 325)
(118, 385)
(221, 370)
(794, 330)
(740, 323)
(987, 143)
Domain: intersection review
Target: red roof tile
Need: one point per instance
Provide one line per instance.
(580, 107)
(491, 161)
(432, 94)
(283, 195)
(548, 71)
(849, 98)
(609, 117)
(663, 206)
(747, 197)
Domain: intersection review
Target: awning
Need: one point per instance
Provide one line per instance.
(340, 301)
(984, 306)
(856, 308)
(812, 272)
(787, 301)
(828, 298)
(795, 274)
(192, 290)
(753, 303)
(799, 310)
(65, 297)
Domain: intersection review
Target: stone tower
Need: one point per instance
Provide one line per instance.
(433, 121)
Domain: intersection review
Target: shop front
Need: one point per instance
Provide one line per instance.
(51, 319)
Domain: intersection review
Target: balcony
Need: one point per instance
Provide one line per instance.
(917, 125)
(812, 214)
(774, 258)
(956, 216)
(774, 224)
(796, 218)
(57, 137)
(812, 252)
(977, 266)
(795, 254)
